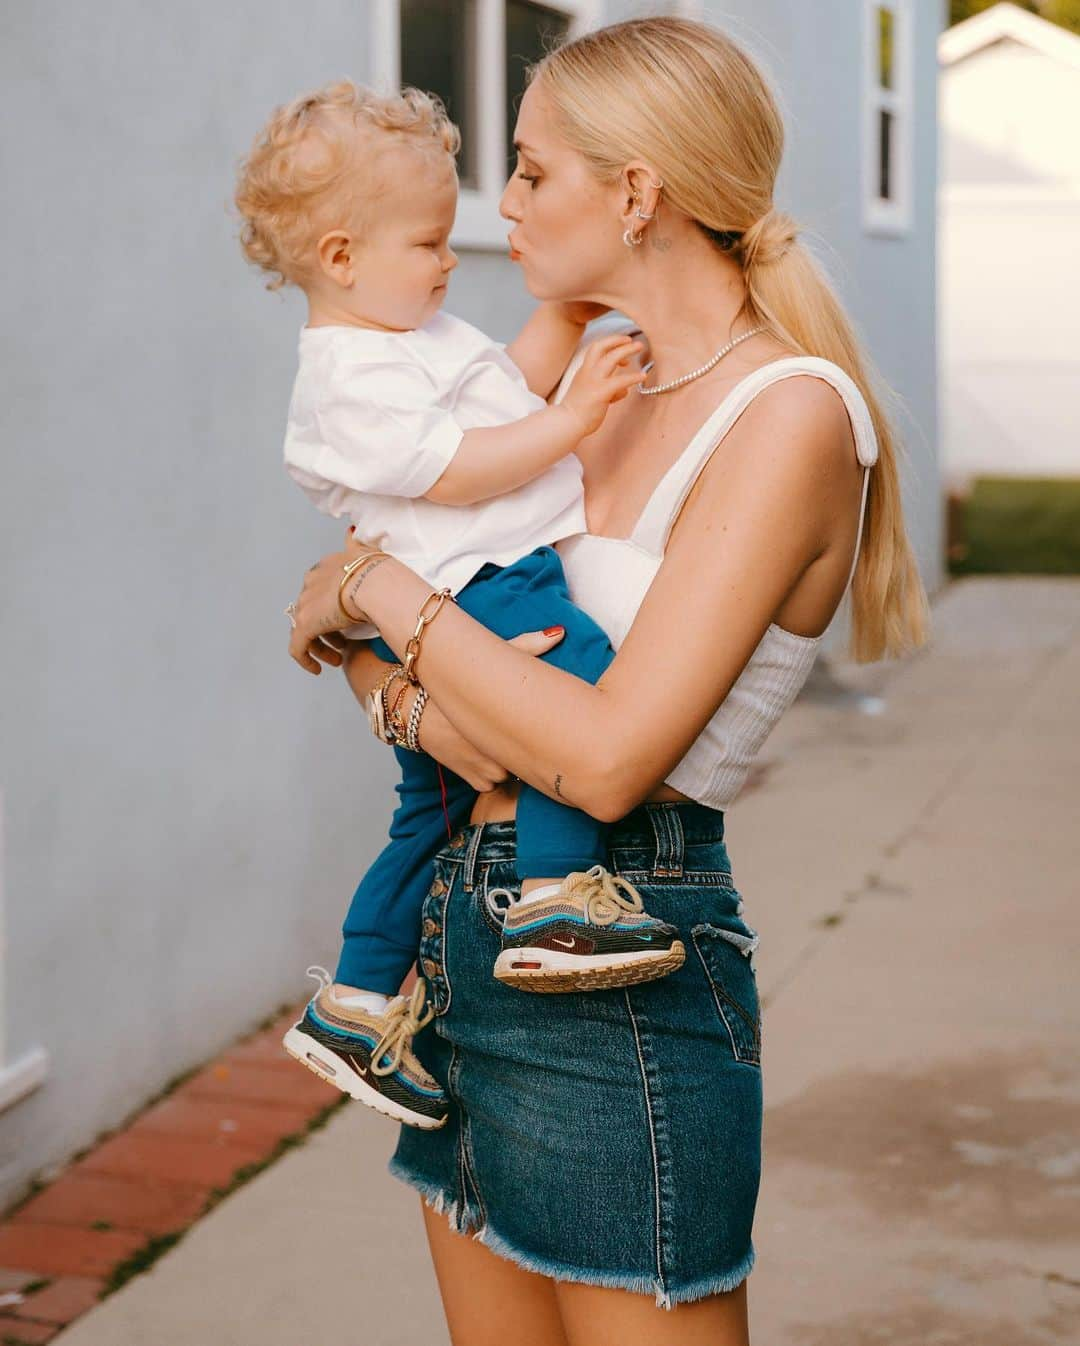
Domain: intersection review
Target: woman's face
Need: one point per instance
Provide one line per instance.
(566, 232)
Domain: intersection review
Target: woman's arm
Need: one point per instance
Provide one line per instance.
(768, 506)
(437, 736)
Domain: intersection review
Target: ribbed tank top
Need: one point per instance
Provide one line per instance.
(608, 578)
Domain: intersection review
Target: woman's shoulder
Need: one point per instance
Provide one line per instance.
(814, 400)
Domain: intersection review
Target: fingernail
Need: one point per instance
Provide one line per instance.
(352, 528)
(554, 630)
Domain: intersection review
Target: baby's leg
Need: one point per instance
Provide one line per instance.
(553, 839)
(576, 926)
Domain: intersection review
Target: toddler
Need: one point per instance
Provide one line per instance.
(439, 445)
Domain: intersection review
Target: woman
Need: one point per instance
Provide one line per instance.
(604, 1149)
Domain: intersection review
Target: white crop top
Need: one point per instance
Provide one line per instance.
(608, 577)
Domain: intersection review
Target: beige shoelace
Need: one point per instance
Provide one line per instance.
(403, 1020)
(603, 901)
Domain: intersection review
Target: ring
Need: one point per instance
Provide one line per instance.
(290, 613)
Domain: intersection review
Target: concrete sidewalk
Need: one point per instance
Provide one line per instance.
(914, 876)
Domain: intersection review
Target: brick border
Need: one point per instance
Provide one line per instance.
(131, 1196)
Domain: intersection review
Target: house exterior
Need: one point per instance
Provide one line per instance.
(1009, 243)
(185, 814)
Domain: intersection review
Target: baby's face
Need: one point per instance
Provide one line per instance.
(404, 261)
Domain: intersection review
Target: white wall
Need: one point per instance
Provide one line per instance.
(1010, 284)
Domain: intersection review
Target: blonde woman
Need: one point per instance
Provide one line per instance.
(596, 1181)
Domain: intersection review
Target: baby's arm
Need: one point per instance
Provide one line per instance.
(491, 460)
(543, 347)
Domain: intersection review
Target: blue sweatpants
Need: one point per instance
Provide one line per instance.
(382, 927)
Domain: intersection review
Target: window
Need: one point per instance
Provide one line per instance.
(473, 54)
(887, 116)
(530, 31)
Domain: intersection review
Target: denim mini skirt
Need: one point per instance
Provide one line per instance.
(609, 1137)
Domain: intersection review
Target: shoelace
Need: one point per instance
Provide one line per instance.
(603, 901)
(403, 1018)
(600, 891)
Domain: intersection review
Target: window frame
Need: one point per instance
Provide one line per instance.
(879, 216)
(479, 224)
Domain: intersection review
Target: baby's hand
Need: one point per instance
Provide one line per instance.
(605, 376)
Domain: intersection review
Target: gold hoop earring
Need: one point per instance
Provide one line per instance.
(630, 240)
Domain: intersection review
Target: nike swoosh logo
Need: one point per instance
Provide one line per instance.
(566, 943)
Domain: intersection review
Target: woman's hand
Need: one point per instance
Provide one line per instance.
(318, 616)
(439, 738)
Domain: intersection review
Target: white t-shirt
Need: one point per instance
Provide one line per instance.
(374, 420)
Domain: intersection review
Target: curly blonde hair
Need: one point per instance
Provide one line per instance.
(317, 162)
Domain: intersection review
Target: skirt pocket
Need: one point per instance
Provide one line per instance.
(725, 956)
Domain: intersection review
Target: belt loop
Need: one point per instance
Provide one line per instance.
(470, 858)
(670, 841)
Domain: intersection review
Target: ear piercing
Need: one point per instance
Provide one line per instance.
(629, 238)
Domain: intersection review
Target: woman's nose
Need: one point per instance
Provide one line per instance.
(506, 202)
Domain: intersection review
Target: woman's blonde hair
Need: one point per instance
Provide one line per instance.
(316, 164)
(683, 96)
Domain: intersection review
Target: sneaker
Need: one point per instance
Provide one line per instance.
(593, 933)
(368, 1055)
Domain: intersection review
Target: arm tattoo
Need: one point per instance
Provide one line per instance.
(558, 785)
(360, 577)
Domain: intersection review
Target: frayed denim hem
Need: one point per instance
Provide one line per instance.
(667, 1296)
(434, 1196)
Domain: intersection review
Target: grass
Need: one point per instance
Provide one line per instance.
(1016, 526)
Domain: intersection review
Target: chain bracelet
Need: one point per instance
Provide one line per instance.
(412, 729)
(423, 619)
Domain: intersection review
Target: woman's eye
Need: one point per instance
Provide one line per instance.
(528, 178)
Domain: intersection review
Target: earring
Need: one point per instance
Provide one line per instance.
(639, 213)
(630, 240)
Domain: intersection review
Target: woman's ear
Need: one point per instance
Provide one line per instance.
(335, 253)
(641, 189)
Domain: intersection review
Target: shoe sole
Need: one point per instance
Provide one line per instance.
(575, 972)
(323, 1062)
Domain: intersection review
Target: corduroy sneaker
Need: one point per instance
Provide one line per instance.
(369, 1055)
(591, 934)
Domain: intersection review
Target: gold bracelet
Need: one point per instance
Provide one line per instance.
(393, 716)
(348, 570)
(423, 619)
(394, 671)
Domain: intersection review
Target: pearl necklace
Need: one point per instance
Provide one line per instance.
(697, 373)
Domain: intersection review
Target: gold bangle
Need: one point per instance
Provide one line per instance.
(348, 571)
(423, 619)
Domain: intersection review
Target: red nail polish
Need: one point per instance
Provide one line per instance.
(554, 630)
(352, 528)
